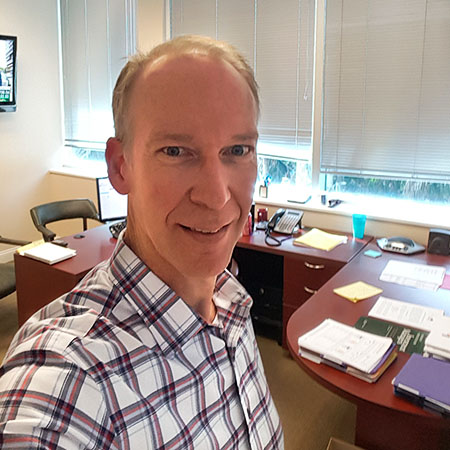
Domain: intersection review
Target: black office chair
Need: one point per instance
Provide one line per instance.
(81, 208)
(7, 273)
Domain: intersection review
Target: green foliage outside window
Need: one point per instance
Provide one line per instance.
(422, 191)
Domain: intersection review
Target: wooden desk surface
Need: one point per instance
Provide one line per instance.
(38, 283)
(92, 246)
(326, 304)
(341, 253)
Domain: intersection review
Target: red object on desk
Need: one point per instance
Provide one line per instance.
(384, 421)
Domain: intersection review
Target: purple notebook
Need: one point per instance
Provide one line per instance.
(426, 378)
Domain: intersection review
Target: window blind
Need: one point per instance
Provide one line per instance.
(386, 104)
(278, 41)
(96, 36)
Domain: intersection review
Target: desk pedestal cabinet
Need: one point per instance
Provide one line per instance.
(38, 283)
(281, 279)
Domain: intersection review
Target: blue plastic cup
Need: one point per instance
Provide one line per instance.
(359, 224)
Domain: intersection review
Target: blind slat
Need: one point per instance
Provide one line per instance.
(387, 88)
(97, 38)
(277, 40)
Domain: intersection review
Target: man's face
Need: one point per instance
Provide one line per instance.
(191, 165)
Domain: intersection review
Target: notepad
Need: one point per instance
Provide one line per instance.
(320, 239)
(357, 291)
(25, 247)
(49, 253)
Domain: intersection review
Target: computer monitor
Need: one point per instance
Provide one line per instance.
(111, 205)
(8, 76)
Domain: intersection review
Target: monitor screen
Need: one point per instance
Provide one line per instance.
(111, 204)
(8, 50)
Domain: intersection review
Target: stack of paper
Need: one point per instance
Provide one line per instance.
(49, 253)
(320, 239)
(421, 276)
(404, 313)
(363, 355)
(437, 343)
(425, 381)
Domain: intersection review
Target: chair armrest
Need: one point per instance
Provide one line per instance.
(47, 234)
(4, 240)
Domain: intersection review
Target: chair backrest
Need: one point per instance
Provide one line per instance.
(81, 208)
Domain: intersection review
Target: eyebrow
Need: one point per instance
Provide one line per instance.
(172, 136)
(182, 137)
(246, 137)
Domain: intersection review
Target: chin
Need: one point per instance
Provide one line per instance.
(204, 266)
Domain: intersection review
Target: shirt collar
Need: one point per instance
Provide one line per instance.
(171, 321)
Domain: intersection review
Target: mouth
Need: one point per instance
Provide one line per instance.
(206, 231)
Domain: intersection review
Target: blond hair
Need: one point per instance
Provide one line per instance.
(182, 45)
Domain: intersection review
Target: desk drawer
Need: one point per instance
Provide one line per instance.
(303, 276)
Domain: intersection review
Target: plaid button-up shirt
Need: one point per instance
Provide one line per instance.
(122, 362)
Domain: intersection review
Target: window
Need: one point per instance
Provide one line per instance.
(379, 71)
(96, 37)
(278, 41)
(386, 95)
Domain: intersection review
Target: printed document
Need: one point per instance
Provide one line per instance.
(346, 345)
(409, 314)
(421, 276)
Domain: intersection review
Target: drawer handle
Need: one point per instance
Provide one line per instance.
(314, 266)
(309, 291)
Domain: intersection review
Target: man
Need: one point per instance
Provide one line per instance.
(155, 348)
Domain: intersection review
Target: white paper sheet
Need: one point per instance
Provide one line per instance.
(422, 276)
(404, 313)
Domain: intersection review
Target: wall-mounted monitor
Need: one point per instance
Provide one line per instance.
(111, 205)
(8, 69)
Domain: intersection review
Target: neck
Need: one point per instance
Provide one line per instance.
(197, 292)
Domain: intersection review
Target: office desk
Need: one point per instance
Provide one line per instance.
(384, 421)
(38, 283)
(280, 279)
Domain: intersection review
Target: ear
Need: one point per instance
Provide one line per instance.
(117, 165)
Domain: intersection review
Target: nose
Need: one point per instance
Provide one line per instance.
(211, 187)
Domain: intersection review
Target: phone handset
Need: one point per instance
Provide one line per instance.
(275, 218)
(285, 222)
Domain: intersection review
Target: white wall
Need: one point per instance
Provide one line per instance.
(31, 137)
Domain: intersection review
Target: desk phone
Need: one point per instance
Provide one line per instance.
(285, 221)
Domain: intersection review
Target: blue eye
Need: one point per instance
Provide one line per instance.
(239, 150)
(172, 151)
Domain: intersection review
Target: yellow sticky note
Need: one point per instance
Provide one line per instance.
(357, 291)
